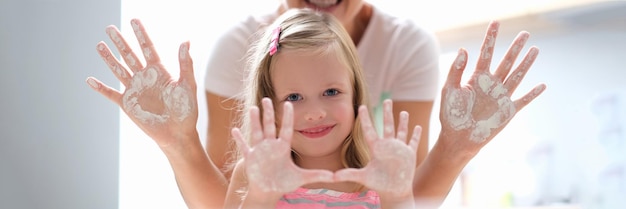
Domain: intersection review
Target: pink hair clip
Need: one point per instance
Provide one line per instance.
(274, 42)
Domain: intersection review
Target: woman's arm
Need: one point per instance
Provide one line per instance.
(222, 112)
(473, 114)
(199, 181)
(166, 110)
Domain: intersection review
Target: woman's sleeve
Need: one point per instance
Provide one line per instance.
(227, 61)
(417, 65)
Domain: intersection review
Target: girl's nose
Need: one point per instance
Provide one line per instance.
(315, 115)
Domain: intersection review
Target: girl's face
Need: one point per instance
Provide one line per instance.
(320, 89)
(344, 10)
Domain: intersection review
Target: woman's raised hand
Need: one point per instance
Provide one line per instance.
(474, 113)
(391, 168)
(164, 108)
(268, 164)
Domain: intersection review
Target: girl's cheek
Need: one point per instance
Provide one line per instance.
(344, 110)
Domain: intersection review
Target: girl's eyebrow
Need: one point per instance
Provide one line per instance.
(290, 90)
(339, 84)
(336, 84)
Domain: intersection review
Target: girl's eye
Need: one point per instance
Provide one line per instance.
(293, 97)
(331, 92)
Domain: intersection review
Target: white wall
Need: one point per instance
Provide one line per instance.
(58, 138)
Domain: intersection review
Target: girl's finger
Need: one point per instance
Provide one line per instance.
(415, 139)
(269, 125)
(403, 126)
(316, 176)
(240, 141)
(351, 174)
(256, 131)
(286, 129)
(366, 124)
(388, 126)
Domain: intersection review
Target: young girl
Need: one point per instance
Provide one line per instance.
(307, 66)
(166, 110)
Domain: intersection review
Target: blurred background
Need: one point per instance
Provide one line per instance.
(62, 145)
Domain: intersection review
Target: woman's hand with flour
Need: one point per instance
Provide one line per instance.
(472, 114)
(164, 108)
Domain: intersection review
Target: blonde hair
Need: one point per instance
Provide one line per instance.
(308, 31)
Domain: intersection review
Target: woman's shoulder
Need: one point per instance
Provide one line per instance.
(246, 26)
(399, 36)
(393, 25)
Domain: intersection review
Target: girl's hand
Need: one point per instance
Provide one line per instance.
(164, 108)
(269, 167)
(392, 166)
(474, 113)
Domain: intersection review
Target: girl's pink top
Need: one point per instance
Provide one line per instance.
(324, 198)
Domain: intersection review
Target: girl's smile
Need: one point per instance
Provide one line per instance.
(316, 132)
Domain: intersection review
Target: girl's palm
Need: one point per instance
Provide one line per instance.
(392, 166)
(268, 164)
